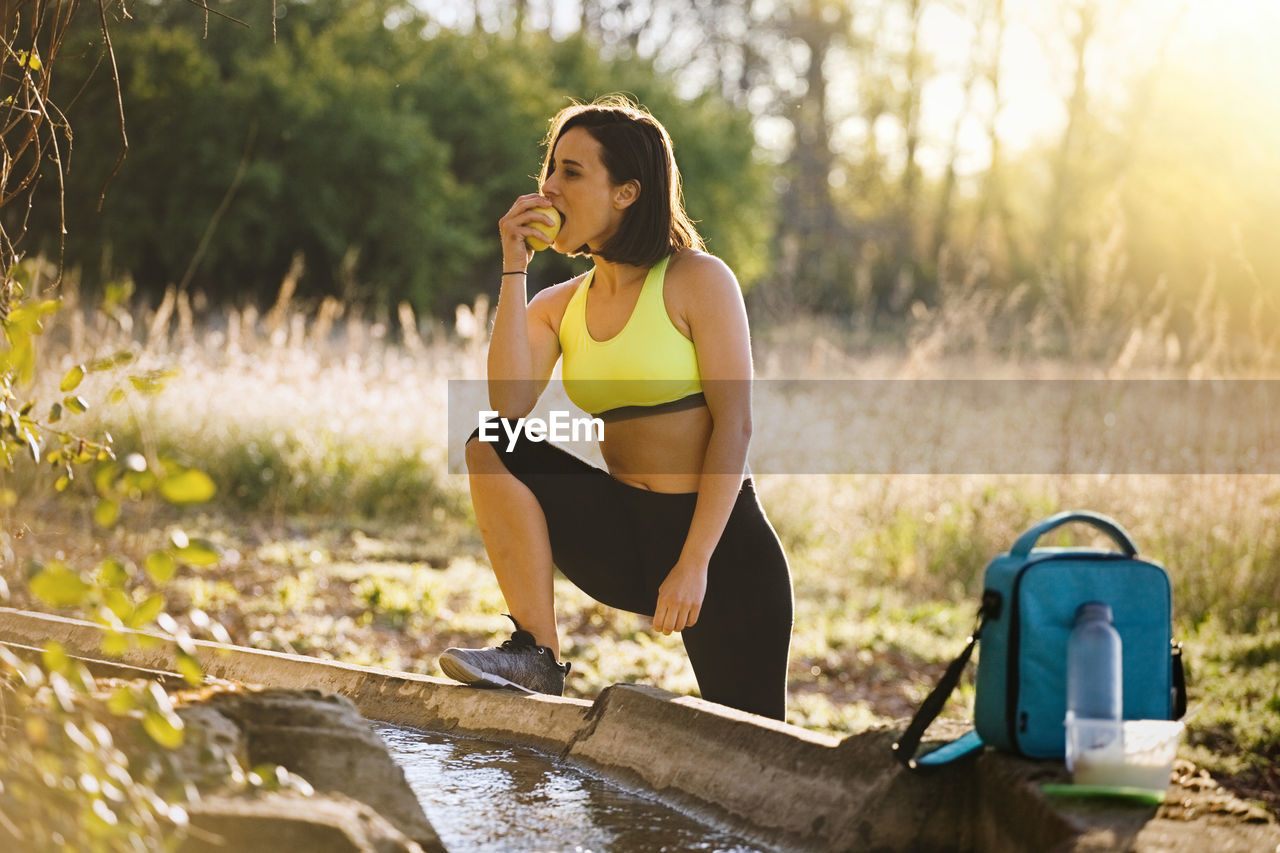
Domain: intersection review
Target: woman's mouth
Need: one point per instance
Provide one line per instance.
(564, 220)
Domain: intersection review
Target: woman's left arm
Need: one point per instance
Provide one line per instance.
(717, 319)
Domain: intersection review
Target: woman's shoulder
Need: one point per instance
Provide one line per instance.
(552, 301)
(559, 293)
(699, 278)
(695, 264)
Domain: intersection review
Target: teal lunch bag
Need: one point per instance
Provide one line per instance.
(1029, 601)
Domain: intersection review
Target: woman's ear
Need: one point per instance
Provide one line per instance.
(626, 194)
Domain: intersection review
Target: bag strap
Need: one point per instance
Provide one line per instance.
(1027, 541)
(906, 746)
(1179, 680)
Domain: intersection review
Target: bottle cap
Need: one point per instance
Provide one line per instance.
(1094, 610)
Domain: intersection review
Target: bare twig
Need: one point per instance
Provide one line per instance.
(204, 5)
(115, 76)
(93, 72)
(241, 169)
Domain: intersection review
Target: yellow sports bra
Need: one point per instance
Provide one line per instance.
(649, 363)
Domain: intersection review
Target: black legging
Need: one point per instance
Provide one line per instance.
(618, 542)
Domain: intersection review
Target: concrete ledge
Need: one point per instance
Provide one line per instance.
(776, 784)
(403, 698)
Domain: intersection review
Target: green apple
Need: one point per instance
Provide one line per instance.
(550, 231)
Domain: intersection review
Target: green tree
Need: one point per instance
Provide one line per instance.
(379, 146)
(299, 147)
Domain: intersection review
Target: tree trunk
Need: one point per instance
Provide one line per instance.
(812, 239)
(942, 221)
(1064, 193)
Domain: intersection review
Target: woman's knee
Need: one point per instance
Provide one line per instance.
(482, 458)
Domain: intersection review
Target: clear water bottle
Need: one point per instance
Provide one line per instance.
(1093, 665)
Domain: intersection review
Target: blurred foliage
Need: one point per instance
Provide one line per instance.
(82, 770)
(308, 471)
(65, 784)
(383, 156)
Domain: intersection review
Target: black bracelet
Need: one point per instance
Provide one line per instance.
(516, 272)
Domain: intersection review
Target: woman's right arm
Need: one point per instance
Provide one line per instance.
(524, 345)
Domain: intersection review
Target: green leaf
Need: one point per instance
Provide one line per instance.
(189, 668)
(122, 701)
(77, 404)
(197, 553)
(160, 565)
(106, 512)
(152, 381)
(164, 729)
(73, 379)
(59, 586)
(191, 486)
(113, 573)
(115, 644)
(55, 413)
(119, 604)
(54, 657)
(22, 359)
(138, 483)
(104, 478)
(146, 612)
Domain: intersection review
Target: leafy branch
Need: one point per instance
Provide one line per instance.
(65, 783)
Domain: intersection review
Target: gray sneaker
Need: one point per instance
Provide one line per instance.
(519, 662)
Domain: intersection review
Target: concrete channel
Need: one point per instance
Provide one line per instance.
(779, 785)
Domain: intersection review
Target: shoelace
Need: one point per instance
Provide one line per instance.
(522, 639)
(519, 640)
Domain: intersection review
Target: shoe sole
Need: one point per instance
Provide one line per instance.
(461, 671)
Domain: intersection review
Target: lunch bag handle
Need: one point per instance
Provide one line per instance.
(1027, 541)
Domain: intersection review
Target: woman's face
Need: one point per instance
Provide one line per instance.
(578, 185)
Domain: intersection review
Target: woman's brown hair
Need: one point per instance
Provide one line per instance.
(635, 147)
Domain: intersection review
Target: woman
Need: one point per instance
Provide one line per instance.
(655, 343)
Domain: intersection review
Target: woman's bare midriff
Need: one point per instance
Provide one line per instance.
(661, 452)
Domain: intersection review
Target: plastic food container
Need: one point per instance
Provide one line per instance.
(1132, 754)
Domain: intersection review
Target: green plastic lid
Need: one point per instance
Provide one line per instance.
(1145, 796)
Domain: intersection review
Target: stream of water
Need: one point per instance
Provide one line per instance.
(483, 797)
